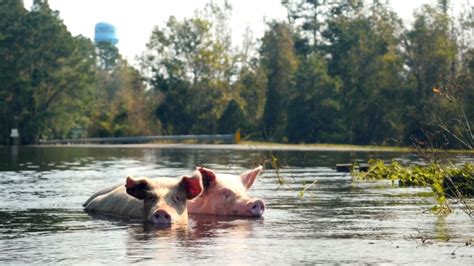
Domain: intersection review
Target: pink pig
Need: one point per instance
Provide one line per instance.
(163, 198)
(227, 195)
(159, 201)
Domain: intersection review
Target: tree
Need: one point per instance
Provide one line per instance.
(431, 58)
(364, 53)
(108, 55)
(232, 119)
(51, 77)
(310, 16)
(12, 24)
(313, 112)
(191, 66)
(123, 106)
(280, 63)
(251, 85)
(466, 81)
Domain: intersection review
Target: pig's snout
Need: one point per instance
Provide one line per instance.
(161, 217)
(257, 208)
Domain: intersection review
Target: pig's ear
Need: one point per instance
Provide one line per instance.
(208, 176)
(192, 186)
(249, 177)
(136, 187)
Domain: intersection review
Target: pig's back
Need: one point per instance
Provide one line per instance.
(115, 203)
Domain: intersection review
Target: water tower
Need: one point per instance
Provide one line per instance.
(105, 32)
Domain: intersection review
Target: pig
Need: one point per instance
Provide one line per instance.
(227, 195)
(224, 195)
(161, 202)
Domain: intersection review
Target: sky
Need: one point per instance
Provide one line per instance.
(135, 19)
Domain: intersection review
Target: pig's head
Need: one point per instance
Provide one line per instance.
(164, 199)
(227, 195)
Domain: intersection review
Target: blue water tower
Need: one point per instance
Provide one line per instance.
(105, 32)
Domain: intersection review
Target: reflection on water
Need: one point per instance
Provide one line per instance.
(337, 221)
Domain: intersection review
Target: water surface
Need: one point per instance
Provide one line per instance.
(337, 221)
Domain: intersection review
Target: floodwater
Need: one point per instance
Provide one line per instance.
(338, 220)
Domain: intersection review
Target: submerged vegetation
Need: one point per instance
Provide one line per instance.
(446, 181)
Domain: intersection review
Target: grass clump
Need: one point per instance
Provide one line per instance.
(447, 181)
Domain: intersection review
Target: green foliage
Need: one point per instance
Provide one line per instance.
(415, 175)
(280, 63)
(122, 106)
(47, 75)
(191, 65)
(108, 55)
(54, 84)
(431, 52)
(336, 71)
(231, 119)
(445, 180)
(313, 111)
(460, 180)
(251, 87)
(364, 54)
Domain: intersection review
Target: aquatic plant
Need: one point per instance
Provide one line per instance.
(271, 161)
(447, 181)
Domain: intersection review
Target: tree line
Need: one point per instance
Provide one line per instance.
(333, 72)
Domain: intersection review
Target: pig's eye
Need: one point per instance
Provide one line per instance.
(176, 198)
(150, 197)
(227, 194)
